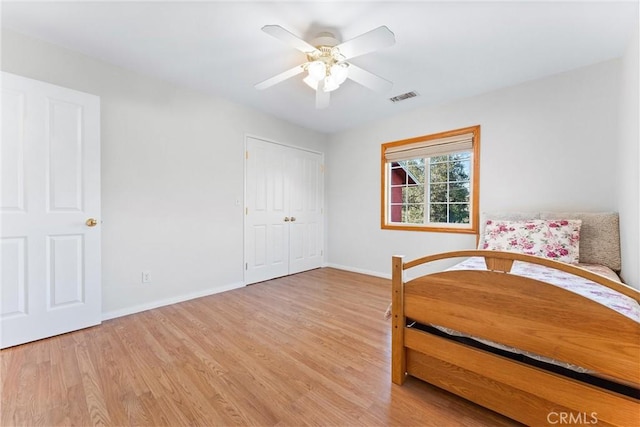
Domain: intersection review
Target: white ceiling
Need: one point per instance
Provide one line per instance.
(443, 50)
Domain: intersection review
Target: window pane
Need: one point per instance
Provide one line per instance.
(413, 194)
(413, 214)
(438, 172)
(459, 170)
(398, 176)
(458, 192)
(415, 167)
(438, 213)
(438, 193)
(439, 159)
(461, 156)
(395, 212)
(459, 213)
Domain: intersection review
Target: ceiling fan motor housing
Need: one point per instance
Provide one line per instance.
(325, 39)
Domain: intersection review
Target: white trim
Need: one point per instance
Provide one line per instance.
(284, 144)
(161, 303)
(407, 276)
(359, 270)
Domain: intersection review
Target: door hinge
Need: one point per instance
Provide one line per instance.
(246, 154)
(246, 265)
(322, 168)
(246, 211)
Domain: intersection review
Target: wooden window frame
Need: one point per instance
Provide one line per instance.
(474, 215)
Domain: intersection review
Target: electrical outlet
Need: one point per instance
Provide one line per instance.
(146, 277)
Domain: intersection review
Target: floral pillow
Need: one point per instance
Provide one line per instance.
(554, 239)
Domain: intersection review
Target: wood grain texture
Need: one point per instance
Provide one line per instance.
(498, 255)
(530, 315)
(523, 313)
(530, 391)
(309, 349)
(398, 322)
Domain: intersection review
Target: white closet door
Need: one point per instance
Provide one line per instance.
(267, 199)
(50, 172)
(283, 218)
(305, 209)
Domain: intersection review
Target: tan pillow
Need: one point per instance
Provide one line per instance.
(599, 236)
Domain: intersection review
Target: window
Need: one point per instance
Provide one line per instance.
(430, 183)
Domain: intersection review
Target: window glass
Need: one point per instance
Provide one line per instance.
(436, 192)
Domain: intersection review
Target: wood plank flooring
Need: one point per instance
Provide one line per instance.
(309, 349)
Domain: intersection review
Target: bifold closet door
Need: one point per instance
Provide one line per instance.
(283, 211)
(50, 210)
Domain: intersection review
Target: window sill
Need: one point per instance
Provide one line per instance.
(437, 229)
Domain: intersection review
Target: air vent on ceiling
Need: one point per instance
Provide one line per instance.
(404, 96)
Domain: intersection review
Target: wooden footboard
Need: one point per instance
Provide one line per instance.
(519, 312)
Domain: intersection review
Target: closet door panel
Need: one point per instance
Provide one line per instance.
(283, 210)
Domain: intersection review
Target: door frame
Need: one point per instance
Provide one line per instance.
(244, 195)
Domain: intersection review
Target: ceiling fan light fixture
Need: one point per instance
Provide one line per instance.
(313, 84)
(340, 72)
(326, 65)
(330, 84)
(317, 70)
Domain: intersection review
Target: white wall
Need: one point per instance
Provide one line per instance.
(545, 145)
(628, 164)
(172, 168)
(172, 171)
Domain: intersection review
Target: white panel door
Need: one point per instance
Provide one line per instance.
(50, 189)
(267, 199)
(305, 210)
(283, 217)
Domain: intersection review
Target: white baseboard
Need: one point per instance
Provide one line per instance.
(161, 303)
(181, 298)
(359, 270)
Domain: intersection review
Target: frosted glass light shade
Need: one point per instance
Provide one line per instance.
(313, 84)
(330, 84)
(331, 78)
(317, 70)
(340, 73)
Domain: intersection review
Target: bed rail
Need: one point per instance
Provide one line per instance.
(503, 261)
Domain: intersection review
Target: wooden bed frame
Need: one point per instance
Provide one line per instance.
(523, 313)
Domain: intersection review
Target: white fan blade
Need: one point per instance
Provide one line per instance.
(375, 39)
(280, 77)
(322, 97)
(368, 79)
(292, 40)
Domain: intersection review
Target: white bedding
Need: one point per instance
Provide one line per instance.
(605, 296)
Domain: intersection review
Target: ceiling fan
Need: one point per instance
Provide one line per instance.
(327, 63)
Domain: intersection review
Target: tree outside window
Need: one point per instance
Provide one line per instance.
(433, 192)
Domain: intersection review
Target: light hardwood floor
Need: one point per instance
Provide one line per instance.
(308, 349)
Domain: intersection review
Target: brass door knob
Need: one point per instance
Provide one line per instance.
(91, 222)
(286, 219)
(293, 218)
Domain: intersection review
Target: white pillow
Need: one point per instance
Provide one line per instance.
(557, 239)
